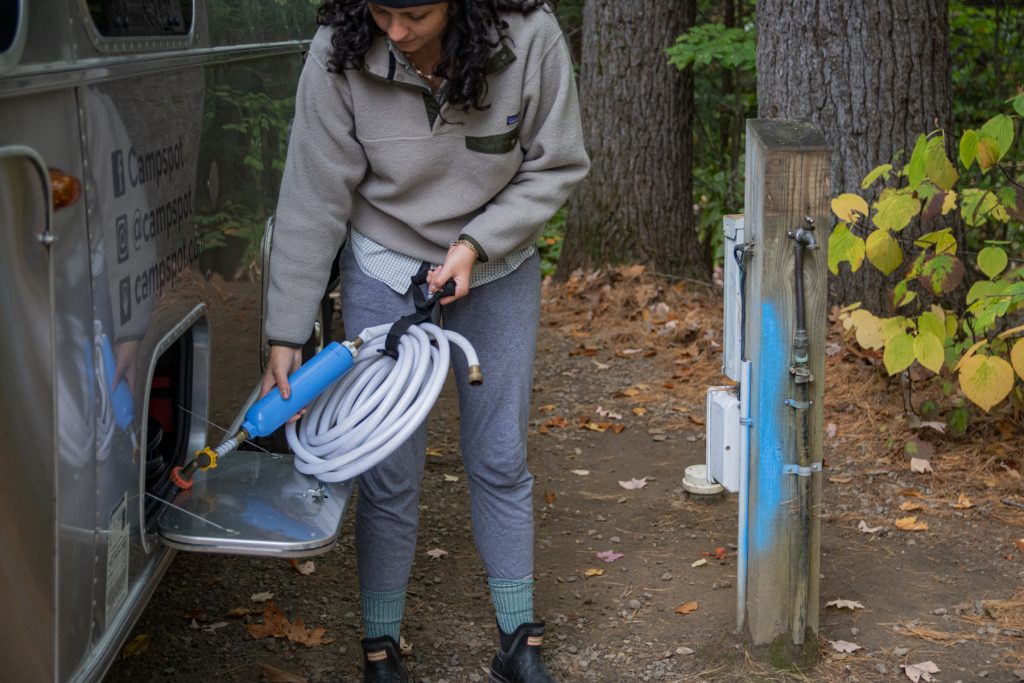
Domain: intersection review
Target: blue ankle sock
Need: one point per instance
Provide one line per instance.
(382, 613)
(513, 602)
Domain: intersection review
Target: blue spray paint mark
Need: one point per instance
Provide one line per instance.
(771, 384)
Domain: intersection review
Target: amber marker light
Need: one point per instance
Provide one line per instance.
(65, 188)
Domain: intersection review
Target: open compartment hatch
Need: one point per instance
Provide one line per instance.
(256, 503)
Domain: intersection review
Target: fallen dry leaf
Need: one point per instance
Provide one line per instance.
(640, 411)
(450, 478)
(844, 646)
(844, 604)
(696, 419)
(634, 484)
(547, 408)
(306, 568)
(593, 572)
(557, 422)
(1020, 544)
(261, 597)
(405, 648)
(910, 493)
(437, 553)
(210, 628)
(963, 502)
(609, 555)
(241, 612)
(630, 392)
(920, 465)
(688, 607)
(550, 497)
(435, 452)
(916, 672)
(275, 675)
(580, 473)
(136, 646)
(699, 563)
(276, 624)
(911, 524)
(841, 479)
(909, 506)
(863, 527)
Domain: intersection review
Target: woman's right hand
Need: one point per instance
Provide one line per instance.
(283, 361)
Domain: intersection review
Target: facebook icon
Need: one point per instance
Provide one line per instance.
(117, 168)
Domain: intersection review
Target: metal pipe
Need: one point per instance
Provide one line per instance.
(803, 238)
(744, 513)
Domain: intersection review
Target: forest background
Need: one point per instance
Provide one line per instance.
(921, 103)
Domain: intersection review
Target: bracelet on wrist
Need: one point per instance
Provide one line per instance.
(465, 243)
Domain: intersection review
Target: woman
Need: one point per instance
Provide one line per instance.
(444, 133)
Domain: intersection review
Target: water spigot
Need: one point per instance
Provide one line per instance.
(804, 235)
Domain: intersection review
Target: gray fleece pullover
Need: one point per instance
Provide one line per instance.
(373, 148)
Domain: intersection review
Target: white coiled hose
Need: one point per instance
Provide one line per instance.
(375, 406)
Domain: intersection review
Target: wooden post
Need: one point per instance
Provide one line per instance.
(787, 179)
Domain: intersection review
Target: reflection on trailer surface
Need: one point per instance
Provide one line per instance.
(141, 145)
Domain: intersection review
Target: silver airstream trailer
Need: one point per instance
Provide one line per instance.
(141, 145)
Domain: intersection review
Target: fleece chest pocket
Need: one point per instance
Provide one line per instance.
(494, 144)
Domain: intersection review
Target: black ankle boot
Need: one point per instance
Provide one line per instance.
(518, 660)
(382, 661)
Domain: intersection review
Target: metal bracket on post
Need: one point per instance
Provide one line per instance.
(813, 468)
(799, 405)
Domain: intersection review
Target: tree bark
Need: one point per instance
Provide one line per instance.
(873, 75)
(637, 204)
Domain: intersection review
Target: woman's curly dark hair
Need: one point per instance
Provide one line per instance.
(465, 45)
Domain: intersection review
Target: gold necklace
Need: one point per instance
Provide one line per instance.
(429, 78)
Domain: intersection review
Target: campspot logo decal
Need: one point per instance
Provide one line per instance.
(145, 167)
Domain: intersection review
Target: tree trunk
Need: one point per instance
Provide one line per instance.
(873, 75)
(636, 205)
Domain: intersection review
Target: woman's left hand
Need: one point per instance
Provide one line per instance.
(458, 266)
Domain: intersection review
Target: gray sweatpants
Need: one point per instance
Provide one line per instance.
(500, 319)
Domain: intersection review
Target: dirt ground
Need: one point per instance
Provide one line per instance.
(627, 350)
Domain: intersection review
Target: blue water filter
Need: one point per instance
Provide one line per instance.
(322, 370)
(120, 396)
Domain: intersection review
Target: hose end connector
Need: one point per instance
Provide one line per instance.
(182, 476)
(476, 375)
(206, 459)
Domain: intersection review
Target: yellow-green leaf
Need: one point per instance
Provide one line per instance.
(874, 174)
(899, 353)
(988, 154)
(916, 167)
(949, 202)
(883, 251)
(136, 646)
(978, 206)
(1017, 357)
(943, 241)
(868, 329)
(843, 245)
(895, 209)
(931, 322)
(938, 167)
(1000, 129)
(850, 207)
(968, 147)
(986, 380)
(1018, 104)
(892, 327)
(929, 352)
(992, 261)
